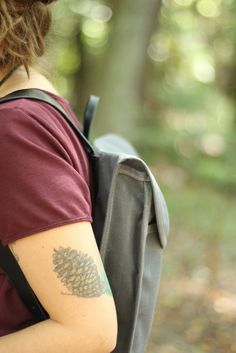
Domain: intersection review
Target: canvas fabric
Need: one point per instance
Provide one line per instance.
(131, 220)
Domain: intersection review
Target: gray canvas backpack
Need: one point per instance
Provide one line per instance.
(130, 223)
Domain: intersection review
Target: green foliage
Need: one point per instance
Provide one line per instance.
(195, 121)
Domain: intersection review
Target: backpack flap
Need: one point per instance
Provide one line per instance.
(117, 145)
(161, 211)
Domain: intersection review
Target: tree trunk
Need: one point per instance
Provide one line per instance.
(121, 77)
(85, 79)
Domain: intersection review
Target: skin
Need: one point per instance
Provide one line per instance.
(64, 268)
(19, 80)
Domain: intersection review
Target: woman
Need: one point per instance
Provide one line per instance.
(45, 208)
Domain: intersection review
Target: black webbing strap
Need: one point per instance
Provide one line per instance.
(89, 114)
(11, 267)
(37, 94)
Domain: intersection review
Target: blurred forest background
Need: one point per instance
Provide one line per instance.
(166, 74)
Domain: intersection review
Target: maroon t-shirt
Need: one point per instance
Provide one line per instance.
(45, 182)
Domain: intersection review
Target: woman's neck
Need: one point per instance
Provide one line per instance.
(19, 80)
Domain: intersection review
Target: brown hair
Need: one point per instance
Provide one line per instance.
(23, 27)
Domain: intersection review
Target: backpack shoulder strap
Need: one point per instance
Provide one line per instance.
(89, 114)
(10, 266)
(39, 95)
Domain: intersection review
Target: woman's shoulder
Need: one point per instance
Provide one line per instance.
(29, 121)
(37, 81)
(24, 103)
(37, 112)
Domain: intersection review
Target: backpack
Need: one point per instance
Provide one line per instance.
(130, 223)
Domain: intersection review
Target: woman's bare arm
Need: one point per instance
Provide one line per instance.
(64, 268)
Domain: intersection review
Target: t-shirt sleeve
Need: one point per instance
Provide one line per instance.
(39, 186)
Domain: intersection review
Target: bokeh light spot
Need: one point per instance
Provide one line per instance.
(94, 30)
(212, 145)
(101, 13)
(203, 69)
(208, 8)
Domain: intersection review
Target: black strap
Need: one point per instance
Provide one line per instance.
(10, 266)
(89, 114)
(7, 260)
(37, 94)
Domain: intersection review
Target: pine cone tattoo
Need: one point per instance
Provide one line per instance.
(78, 272)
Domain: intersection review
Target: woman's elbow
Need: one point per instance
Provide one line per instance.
(109, 336)
(110, 340)
(100, 332)
(90, 341)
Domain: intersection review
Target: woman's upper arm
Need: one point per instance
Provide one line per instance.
(45, 218)
(64, 269)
